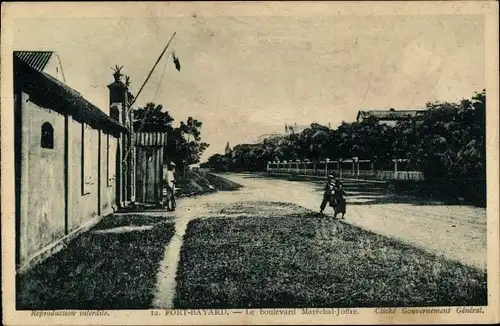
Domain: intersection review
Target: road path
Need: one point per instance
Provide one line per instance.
(456, 232)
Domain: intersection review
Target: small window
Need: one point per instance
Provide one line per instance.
(47, 136)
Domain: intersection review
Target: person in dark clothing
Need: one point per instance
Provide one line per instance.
(327, 193)
(339, 197)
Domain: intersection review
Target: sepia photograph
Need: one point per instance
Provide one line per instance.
(257, 161)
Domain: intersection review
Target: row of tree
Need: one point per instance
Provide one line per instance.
(448, 140)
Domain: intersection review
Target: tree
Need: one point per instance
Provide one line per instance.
(313, 142)
(190, 145)
(452, 139)
(191, 127)
(184, 143)
(218, 162)
(152, 118)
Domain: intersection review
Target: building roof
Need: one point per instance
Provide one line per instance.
(52, 93)
(35, 59)
(228, 147)
(294, 128)
(297, 126)
(388, 114)
(263, 137)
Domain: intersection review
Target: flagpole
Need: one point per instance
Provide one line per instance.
(151, 72)
(139, 92)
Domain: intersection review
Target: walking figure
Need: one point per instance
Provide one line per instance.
(327, 193)
(170, 185)
(339, 199)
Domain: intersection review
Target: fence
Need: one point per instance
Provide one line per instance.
(363, 169)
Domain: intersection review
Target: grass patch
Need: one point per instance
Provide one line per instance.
(99, 271)
(190, 185)
(300, 260)
(199, 183)
(221, 184)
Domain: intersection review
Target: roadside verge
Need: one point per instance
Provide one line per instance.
(200, 182)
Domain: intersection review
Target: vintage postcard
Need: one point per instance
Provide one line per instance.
(237, 163)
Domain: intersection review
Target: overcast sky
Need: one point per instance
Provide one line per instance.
(244, 76)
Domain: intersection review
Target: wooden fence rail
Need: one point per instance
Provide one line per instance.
(346, 169)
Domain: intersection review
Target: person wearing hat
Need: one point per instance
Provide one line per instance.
(339, 198)
(170, 185)
(327, 193)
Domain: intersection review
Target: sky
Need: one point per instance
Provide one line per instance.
(247, 75)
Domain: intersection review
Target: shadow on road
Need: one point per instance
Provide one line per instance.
(361, 192)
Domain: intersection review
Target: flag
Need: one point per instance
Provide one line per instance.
(176, 62)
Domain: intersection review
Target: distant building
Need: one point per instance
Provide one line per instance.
(228, 149)
(261, 138)
(291, 129)
(294, 129)
(389, 117)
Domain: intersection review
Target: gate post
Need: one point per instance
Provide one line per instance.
(355, 165)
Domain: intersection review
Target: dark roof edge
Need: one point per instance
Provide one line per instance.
(37, 60)
(69, 100)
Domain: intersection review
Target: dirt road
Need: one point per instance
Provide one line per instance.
(454, 231)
